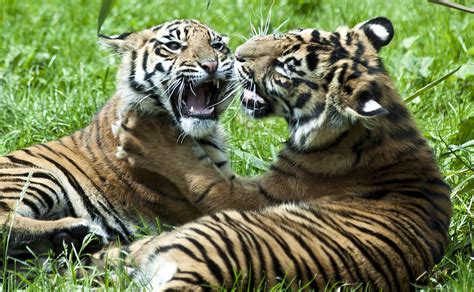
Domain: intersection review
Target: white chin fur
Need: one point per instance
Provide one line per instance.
(198, 128)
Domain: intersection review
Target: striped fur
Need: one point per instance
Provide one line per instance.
(355, 196)
(63, 190)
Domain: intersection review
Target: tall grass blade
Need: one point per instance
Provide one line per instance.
(105, 9)
(6, 237)
(430, 85)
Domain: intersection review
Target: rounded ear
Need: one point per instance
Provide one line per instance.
(378, 30)
(125, 42)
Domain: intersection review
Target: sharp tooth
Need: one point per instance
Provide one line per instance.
(211, 109)
(218, 83)
(191, 109)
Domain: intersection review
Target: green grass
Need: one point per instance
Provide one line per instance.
(54, 77)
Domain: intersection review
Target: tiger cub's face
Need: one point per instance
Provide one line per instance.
(182, 67)
(315, 79)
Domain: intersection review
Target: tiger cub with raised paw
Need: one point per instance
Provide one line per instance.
(60, 191)
(354, 197)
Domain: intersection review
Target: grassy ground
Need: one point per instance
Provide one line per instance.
(53, 78)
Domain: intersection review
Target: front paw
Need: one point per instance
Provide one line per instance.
(202, 155)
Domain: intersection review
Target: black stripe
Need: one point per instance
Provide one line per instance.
(19, 191)
(302, 99)
(220, 251)
(268, 196)
(311, 61)
(241, 232)
(45, 198)
(429, 198)
(180, 247)
(354, 241)
(199, 279)
(304, 246)
(91, 166)
(219, 164)
(48, 177)
(55, 181)
(364, 249)
(109, 207)
(275, 168)
(188, 281)
(390, 243)
(22, 180)
(213, 267)
(251, 237)
(32, 206)
(204, 194)
(95, 214)
(300, 168)
(408, 237)
(209, 143)
(278, 239)
(15, 160)
(223, 235)
(113, 212)
(329, 243)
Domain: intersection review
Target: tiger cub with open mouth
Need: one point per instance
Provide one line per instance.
(60, 191)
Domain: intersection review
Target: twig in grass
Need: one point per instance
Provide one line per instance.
(453, 5)
(430, 85)
(454, 153)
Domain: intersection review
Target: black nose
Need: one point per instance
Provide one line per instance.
(209, 66)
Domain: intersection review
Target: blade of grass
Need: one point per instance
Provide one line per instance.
(105, 9)
(430, 85)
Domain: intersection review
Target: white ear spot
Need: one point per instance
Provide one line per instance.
(371, 106)
(380, 31)
(225, 39)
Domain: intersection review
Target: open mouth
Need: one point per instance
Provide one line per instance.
(197, 101)
(255, 104)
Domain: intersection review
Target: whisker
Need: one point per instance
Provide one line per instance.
(180, 98)
(277, 29)
(181, 137)
(227, 95)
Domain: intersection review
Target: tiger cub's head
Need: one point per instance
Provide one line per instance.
(181, 67)
(322, 83)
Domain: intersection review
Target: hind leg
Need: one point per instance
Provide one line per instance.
(34, 214)
(42, 235)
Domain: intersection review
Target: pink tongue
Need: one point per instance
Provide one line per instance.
(196, 98)
(250, 95)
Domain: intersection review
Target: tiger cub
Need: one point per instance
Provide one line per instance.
(60, 191)
(354, 197)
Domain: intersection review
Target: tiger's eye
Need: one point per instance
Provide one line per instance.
(173, 46)
(218, 46)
